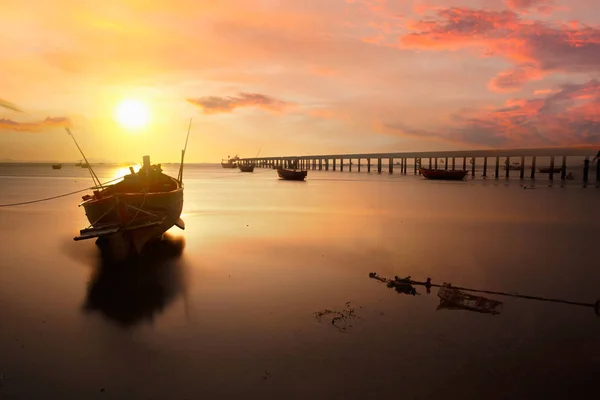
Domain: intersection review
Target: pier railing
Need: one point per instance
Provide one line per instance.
(550, 162)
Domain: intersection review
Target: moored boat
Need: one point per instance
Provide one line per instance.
(56, 166)
(230, 162)
(292, 174)
(246, 167)
(141, 207)
(546, 170)
(453, 298)
(443, 174)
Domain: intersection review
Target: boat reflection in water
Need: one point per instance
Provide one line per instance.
(135, 290)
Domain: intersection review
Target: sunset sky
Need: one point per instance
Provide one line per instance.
(296, 77)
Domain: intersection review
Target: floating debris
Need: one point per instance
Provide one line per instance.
(339, 319)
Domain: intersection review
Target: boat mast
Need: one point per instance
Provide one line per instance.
(97, 182)
(180, 176)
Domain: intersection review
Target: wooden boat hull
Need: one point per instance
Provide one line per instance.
(441, 174)
(546, 170)
(452, 298)
(246, 168)
(57, 166)
(292, 174)
(122, 210)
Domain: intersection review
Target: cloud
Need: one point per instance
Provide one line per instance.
(536, 48)
(9, 105)
(49, 122)
(568, 116)
(543, 6)
(216, 104)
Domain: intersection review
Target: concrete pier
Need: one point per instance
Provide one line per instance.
(579, 160)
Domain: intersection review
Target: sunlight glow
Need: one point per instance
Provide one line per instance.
(132, 114)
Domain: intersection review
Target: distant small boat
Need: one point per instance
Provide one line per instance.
(56, 166)
(85, 165)
(546, 170)
(292, 174)
(230, 162)
(246, 168)
(443, 174)
(452, 298)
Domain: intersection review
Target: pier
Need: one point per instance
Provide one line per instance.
(556, 163)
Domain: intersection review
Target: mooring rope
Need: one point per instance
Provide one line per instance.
(57, 196)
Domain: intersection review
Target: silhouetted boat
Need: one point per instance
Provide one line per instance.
(292, 174)
(56, 166)
(546, 170)
(452, 298)
(230, 162)
(246, 167)
(141, 207)
(443, 174)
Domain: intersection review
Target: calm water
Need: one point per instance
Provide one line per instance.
(225, 309)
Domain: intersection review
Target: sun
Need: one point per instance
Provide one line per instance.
(132, 114)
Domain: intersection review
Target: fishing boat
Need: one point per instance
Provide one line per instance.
(246, 167)
(292, 174)
(56, 166)
(546, 170)
(130, 213)
(230, 162)
(443, 174)
(452, 298)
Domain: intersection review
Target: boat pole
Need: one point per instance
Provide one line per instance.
(180, 176)
(97, 182)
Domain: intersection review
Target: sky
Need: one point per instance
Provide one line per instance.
(289, 77)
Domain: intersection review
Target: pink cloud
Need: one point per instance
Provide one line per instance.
(570, 116)
(536, 48)
(216, 104)
(49, 122)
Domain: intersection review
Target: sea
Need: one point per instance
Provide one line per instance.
(266, 294)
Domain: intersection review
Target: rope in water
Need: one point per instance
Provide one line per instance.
(82, 190)
(57, 196)
(428, 283)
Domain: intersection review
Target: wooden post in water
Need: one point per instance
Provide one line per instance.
(473, 167)
(379, 165)
(391, 165)
(350, 164)
(497, 167)
(453, 163)
(563, 169)
(464, 163)
(598, 172)
(485, 167)
(405, 165)
(522, 172)
(551, 173)
(586, 170)
(320, 164)
(368, 165)
(533, 168)
(507, 167)
(429, 162)
(334, 163)
(446, 163)
(435, 162)
(359, 165)
(327, 164)
(342, 164)
(415, 165)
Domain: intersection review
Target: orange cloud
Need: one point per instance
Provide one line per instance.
(49, 122)
(216, 104)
